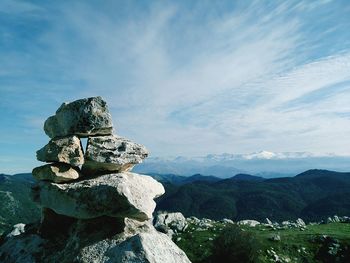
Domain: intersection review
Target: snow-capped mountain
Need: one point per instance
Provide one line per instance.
(266, 155)
(266, 163)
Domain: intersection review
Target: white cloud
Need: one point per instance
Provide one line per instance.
(187, 82)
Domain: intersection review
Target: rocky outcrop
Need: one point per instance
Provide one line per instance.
(99, 240)
(106, 154)
(170, 223)
(85, 117)
(99, 213)
(64, 150)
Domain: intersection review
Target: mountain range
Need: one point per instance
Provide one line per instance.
(264, 163)
(312, 195)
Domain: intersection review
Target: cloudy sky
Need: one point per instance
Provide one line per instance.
(181, 77)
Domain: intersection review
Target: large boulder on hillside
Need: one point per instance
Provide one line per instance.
(56, 172)
(106, 154)
(115, 195)
(150, 247)
(174, 221)
(84, 241)
(64, 150)
(84, 117)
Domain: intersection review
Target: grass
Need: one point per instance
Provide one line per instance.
(295, 245)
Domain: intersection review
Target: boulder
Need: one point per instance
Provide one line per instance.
(175, 221)
(84, 241)
(17, 230)
(275, 237)
(149, 247)
(65, 150)
(115, 195)
(251, 223)
(268, 221)
(227, 221)
(138, 242)
(84, 117)
(56, 172)
(106, 154)
(300, 222)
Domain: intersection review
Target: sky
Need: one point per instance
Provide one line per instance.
(183, 78)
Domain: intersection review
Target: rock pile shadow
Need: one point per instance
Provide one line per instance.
(94, 209)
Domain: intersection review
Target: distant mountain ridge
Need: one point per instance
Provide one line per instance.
(264, 163)
(311, 195)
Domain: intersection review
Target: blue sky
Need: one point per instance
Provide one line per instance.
(181, 77)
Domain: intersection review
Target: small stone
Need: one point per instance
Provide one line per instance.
(65, 150)
(58, 173)
(105, 154)
(251, 223)
(84, 117)
(275, 237)
(17, 230)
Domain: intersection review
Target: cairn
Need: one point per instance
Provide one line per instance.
(93, 208)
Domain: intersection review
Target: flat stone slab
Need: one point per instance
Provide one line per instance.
(84, 117)
(105, 154)
(64, 150)
(115, 195)
(57, 172)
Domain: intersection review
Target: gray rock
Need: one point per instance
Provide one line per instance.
(56, 172)
(17, 230)
(336, 219)
(151, 247)
(275, 237)
(64, 150)
(115, 195)
(227, 221)
(84, 117)
(84, 241)
(106, 154)
(268, 221)
(300, 222)
(251, 223)
(175, 221)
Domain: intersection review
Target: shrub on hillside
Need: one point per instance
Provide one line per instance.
(235, 245)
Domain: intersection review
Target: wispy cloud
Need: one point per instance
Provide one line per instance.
(187, 78)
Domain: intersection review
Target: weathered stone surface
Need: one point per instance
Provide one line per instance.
(56, 172)
(105, 154)
(152, 247)
(115, 195)
(84, 241)
(64, 150)
(251, 223)
(17, 230)
(84, 117)
(174, 221)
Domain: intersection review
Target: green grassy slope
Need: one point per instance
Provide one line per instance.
(295, 245)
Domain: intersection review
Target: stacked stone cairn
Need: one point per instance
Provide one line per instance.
(93, 208)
